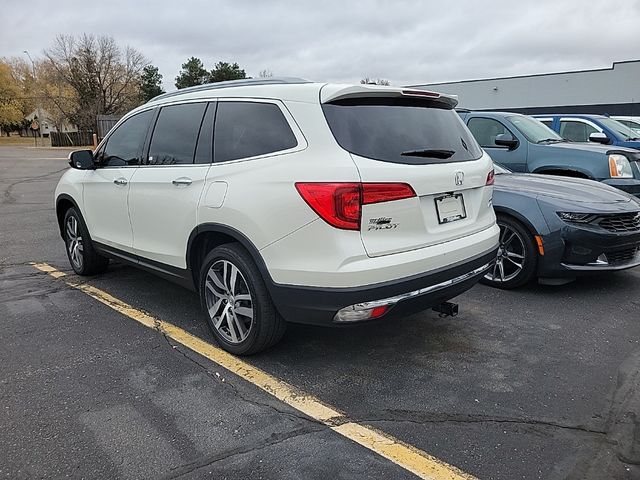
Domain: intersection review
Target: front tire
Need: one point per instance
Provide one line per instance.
(238, 307)
(80, 251)
(517, 258)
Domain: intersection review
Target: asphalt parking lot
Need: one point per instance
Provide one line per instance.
(540, 383)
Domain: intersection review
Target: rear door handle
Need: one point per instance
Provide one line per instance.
(120, 181)
(182, 182)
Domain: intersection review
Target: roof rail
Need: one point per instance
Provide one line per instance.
(233, 83)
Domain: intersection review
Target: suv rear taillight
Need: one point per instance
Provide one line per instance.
(340, 204)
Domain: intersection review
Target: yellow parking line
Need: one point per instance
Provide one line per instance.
(406, 456)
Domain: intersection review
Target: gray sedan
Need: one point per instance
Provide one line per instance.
(556, 228)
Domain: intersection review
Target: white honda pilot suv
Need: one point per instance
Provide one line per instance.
(285, 200)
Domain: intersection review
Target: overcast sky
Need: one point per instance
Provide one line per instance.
(406, 42)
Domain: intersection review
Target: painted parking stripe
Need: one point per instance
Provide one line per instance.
(406, 456)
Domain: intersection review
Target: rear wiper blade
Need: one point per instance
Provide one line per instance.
(429, 153)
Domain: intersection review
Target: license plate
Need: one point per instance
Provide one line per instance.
(450, 208)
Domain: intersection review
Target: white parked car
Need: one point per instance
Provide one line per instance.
(632, 122)
(285, 200)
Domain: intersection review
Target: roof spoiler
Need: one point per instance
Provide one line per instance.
(331, 93)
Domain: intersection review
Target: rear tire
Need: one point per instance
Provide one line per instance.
(237, 304)
(80, 251)
(517, 259)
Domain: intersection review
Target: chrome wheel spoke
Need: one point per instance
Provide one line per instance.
(215, 307)
(244, 311)
(501, 270)
(213, 276)
(231, 327)
(508, 238)
(515, 255)
(233, 279)
(514, 262)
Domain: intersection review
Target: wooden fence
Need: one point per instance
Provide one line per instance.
(71, 139)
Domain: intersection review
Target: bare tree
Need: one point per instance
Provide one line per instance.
(104, 78)
(266, 73)
(377, 81)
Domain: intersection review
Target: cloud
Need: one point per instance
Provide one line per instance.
(405, 41)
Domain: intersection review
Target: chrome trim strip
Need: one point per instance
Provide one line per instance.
(422, 291)
(594, 267)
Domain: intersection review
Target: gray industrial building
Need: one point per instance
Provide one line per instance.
(614, 91)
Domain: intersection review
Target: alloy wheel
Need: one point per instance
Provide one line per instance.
(229, 301)
(511, 256)
(75, 246)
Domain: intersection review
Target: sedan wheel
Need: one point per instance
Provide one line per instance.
(516, 259)
(229, 301)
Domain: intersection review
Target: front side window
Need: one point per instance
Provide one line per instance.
(576, 131)
(249, 129)
(534, 130)
(485, 130)
(627, 133)
(175, 134)
(124, 146)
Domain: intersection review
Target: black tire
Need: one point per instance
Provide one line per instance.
(265, 327)
(85, 261)
(523, 244)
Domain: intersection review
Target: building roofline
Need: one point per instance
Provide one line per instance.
(525, 76)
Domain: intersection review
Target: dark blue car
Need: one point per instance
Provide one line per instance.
(523, 144)
(557, 228)
(592, 128)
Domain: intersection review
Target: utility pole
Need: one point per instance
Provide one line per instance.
(39, 112)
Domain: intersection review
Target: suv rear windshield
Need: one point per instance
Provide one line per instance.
(401, 130)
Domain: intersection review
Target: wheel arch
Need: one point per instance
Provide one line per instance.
(519, 217)
(210, 235)
(63, 203)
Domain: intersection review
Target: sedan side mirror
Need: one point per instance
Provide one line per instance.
(506, 140)
(82, 160)
(599, 137)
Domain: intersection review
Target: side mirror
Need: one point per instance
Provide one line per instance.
(506, 140)
(82, 160)
(599, 137)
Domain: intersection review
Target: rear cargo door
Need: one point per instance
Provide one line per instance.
(421, 142)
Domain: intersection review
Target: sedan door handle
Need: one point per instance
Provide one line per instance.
(182, 182)
(120, 181)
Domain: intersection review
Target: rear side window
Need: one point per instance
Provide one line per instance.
(401, 130)
(175, 134)
(249, 129)
(124, 145)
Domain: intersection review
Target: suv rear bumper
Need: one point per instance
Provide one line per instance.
(319, 305)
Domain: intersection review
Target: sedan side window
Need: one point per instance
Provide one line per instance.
(485, 130)
(249, 129)
(576, 131)
(175, 134)
(124, 145)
